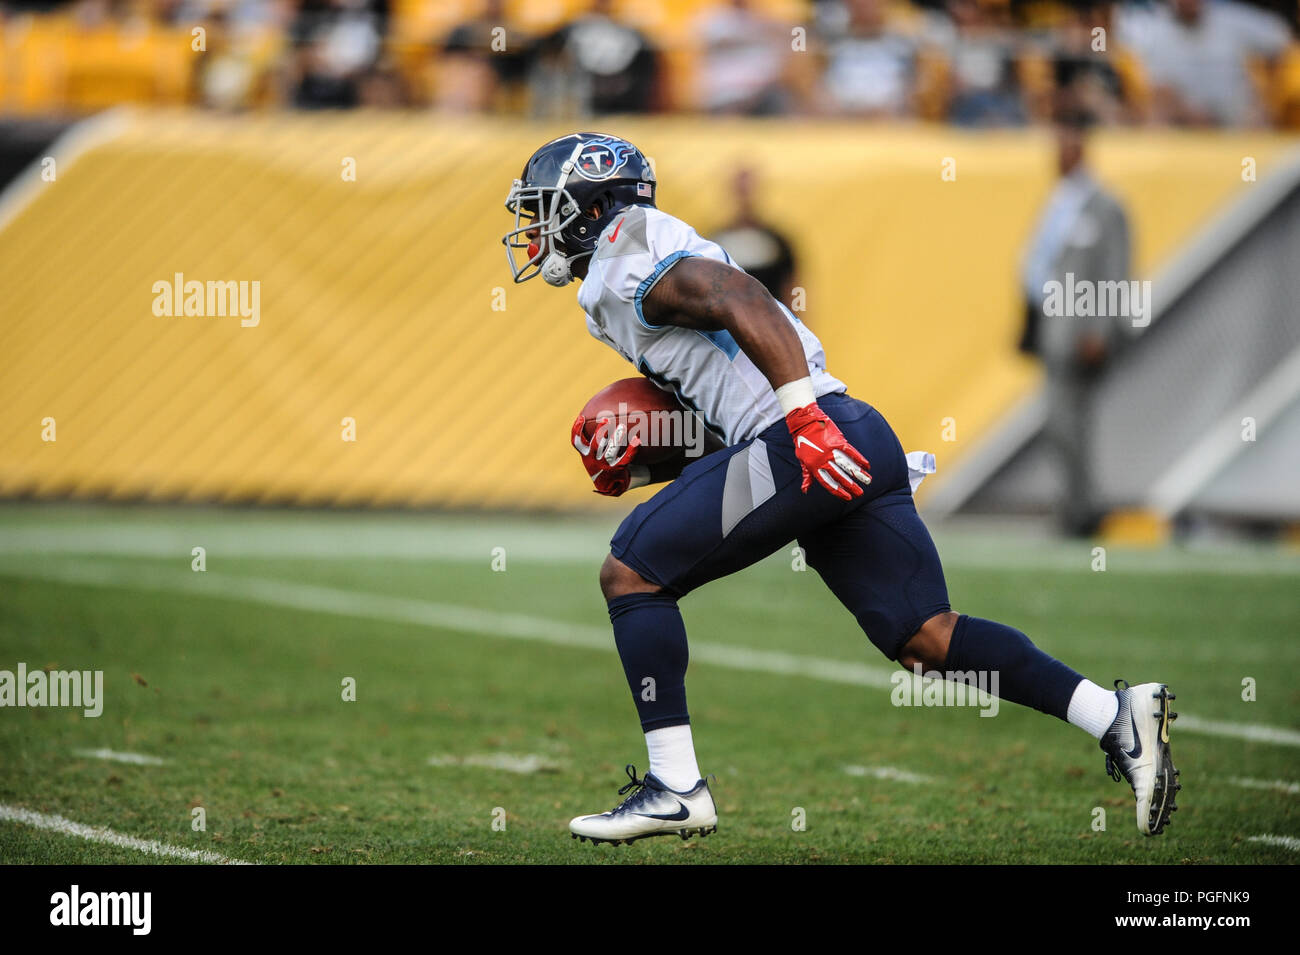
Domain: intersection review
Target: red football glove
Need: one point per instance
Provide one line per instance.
(607, 461)
(822, 451)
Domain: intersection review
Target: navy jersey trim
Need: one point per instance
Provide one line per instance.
(671, 384)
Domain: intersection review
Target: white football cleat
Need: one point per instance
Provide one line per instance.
(652, 809)
(1137, 749)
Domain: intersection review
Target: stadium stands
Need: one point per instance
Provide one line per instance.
(968, 61)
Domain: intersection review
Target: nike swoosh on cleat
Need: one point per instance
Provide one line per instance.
(681, 813)
(1136, 751)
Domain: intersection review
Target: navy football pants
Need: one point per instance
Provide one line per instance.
(734, 507)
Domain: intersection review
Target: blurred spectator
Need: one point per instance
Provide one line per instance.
(1090, 75)
(743, 64)
(337, 42)
(981, 50)
(225, 74)
(757, 247)
(382, 86)
(237, 15)
(1198, 54)
(1082, 236)
(481, 59)
(96, 14)
(236, 68)
(596, 64)
(869, 67)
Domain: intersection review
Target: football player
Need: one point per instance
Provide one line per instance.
(802, 460)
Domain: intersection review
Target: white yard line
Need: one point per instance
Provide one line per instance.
(494, 623)
(1254, 732)
(1281, 842)
(1274, 785)
(888, 772)
(137, 759)
(276, 538)
(103, 834)
(510, 762)
(576, 543)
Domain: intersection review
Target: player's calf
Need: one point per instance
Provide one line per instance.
(651, 641)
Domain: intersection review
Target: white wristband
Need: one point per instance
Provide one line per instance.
(796, 394)
(640, 475)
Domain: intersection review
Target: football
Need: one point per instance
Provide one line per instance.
(655, 416)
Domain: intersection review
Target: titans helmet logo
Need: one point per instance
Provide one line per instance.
(601, 158)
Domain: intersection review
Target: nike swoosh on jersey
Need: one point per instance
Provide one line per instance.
(614, 235)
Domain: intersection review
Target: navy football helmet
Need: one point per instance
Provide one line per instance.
(570, 190)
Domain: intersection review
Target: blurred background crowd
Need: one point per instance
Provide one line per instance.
(977, 63)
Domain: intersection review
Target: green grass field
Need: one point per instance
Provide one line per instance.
(233, 679)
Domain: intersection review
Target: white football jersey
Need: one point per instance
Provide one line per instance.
(707, 370)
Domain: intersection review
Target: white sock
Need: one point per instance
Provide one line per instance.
(1093, 708)
(672, 757)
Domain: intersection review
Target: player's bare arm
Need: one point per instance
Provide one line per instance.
(708, 295)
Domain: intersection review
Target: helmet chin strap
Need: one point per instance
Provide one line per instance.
(555, 270)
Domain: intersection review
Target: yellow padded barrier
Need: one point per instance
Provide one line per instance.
(377, 296)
